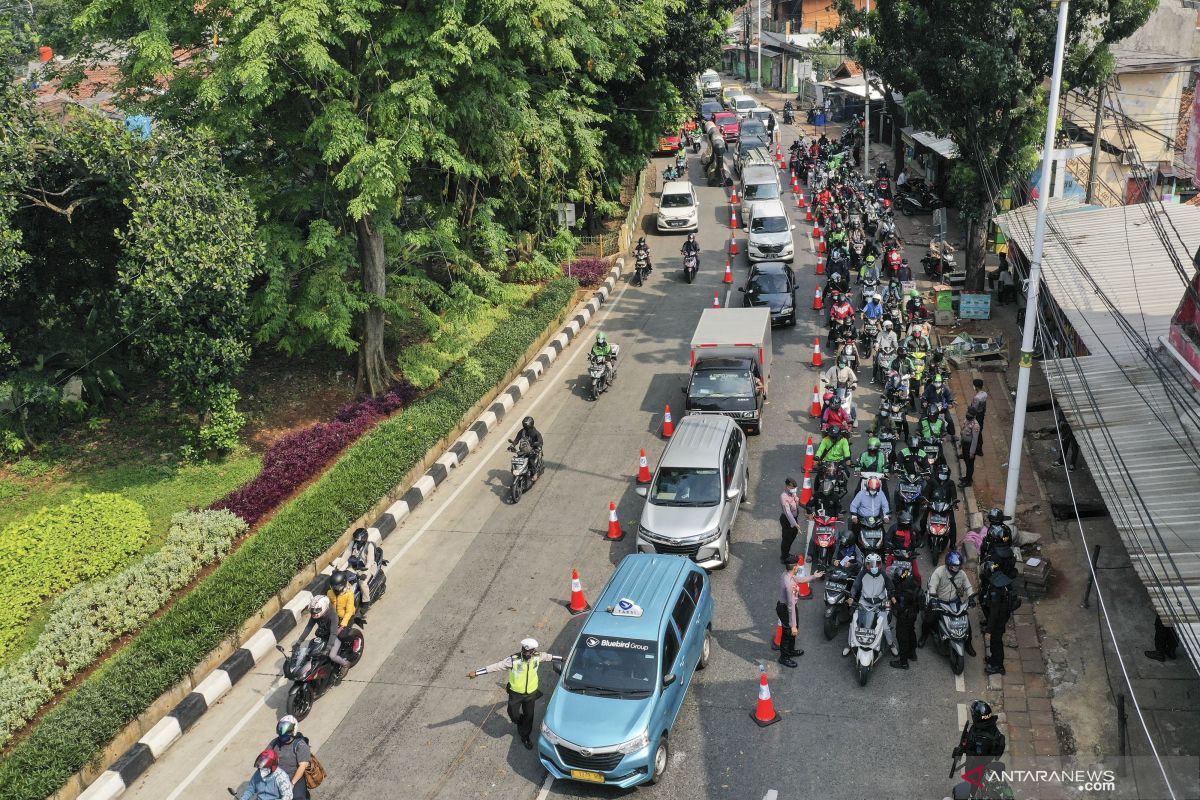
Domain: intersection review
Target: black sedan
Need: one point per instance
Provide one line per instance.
(709, 107)
(772, 284)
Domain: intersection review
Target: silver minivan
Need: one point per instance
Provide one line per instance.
(699, 483)
(759, 182)
(769, 234)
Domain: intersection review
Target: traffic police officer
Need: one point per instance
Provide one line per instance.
(522, 686)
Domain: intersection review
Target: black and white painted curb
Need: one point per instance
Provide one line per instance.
(261, 646)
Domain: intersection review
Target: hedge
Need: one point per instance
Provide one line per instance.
(170, 647)
(86, 620)
(56, 548)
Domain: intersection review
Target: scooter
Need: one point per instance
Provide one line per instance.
(950, 633)
(937, 528)
(378, 583)
(909, 491)
(824, 533)
(601, 372)
(691, 265)
(522, 467)
(789, 116)
(867, 626)
(884, 359)
(681, 162)
(867, 336)
(839, 581)
(870, 530)
(912, 200)
(672, 173)
(311, 671)
(641, 268)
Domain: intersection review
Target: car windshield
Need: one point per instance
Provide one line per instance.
(680, 486)
(725, 118)
(612, 667)
(711, 383)
(676, 200)
(753, 127)
(710, 108)
(761, 115)
(769, 225)
(744, 104)
(769, 283)
(760, 191)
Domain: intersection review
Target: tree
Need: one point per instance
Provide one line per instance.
(974, 70)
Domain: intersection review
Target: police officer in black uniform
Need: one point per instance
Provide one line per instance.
(1002, 600)
(981, 743)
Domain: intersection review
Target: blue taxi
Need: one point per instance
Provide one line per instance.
(610, 717)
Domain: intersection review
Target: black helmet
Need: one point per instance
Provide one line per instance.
(904, 518)
(981, 711)
(932, 412)
(337, 581)
(997, 516)
(943, 472)
(360, 536)
(999, 534)
(527, 423)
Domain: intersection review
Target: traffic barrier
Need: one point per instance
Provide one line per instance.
(728, 272)
(817, 303)
(644, 476)
(579, 603)
(764, 713)
(805, 588)
(806, 491)
(809, 450)
(817, 360)
(668, 428)
(816, 410)
(615, 534)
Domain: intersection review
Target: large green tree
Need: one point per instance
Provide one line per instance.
(975, 70)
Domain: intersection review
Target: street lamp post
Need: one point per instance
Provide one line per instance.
(867, 116)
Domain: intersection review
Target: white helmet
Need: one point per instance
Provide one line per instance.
(877, 297)
(319, 605)
(887, 324)
(529, 644)
(873, 562)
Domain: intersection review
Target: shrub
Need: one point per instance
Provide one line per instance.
(297, 457)
(53, 549)
(173, 644)
(86, 620)
(219, 433)
(589, 271)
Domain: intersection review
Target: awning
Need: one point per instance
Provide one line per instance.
(1128, 402)
(853, 86)
(946, 148)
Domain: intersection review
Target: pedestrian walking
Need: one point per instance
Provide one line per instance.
(1166, 641)
(789, 519)
(969, 440)
(908, 604)
(293, 753)
(1008, 286)
(979, 406)
(1069, 447)
(522, 687)
(785, 609)
(1002, 600)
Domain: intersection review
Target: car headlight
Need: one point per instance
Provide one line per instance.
(647, 534)
(638, 742)
(709, 536)
(550, 735)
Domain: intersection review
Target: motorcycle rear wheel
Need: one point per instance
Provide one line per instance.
(353, 653)
(300, 701)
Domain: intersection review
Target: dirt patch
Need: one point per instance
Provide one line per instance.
(280, 397)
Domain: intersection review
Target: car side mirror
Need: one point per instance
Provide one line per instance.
(557, 667)
(731, 493)
(793, 226)
(641, 491)
(668, 679)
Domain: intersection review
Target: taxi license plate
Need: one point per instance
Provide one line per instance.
(584, 775)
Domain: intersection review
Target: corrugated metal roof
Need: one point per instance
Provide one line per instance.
(1121, 414)
(1122, 253)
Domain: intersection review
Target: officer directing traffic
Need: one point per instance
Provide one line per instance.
(522, 686)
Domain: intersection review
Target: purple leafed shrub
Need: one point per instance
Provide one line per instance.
(301, 455)
(589, 271)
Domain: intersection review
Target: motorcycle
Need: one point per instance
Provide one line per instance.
(789, 114)
(839, 583)
(691, 265)
(867, 627)
(883, 187)
(824, 533)
(870, 285)
(378, 583)
(672, 173)
(867, 336)
(310, 670)
(641, 268)
(848, 351)
(885, 359)
(839, 329)
(829, 488)
(908, 491)
(681, 162)
(903, 558)
(937, 528)
(694, 140)
(601, 372)
(917, 200)
(950, 633)
(522, 468)
(870, 532)
(938, 265)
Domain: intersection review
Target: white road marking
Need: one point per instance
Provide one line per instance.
(468, 481)
(960, 683)
(771, 795)
(546, 784)
(962, 715)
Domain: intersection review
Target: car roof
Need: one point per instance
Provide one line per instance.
(769, 267)
(697, 441)
(768, 208)
(677, 187)
(759, 173)
(744, 97)
(649, 580)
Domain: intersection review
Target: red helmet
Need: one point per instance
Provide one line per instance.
(873, 484)
(827, 397)
(267, 759)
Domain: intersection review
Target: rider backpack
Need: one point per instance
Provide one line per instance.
(315, 774)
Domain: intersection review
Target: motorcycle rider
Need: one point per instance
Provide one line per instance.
(603, 351)
(529, 433)
(835, 446)
(912, 456)
(872, 460)
(690, 245)
(268, 782)
(341, 594)
(916, 341)
(874, 309)
(901, 536)
(982, 743)
(841, 311)
(643, 249)
(835, 285)
(869, 502)
(908, 603)
(933, 428)
(948, 581)
(833, 415)
(324, 618)
(885, 341)
(941, 487)
(869, 272)
(915, 309)
(937, 394)
(840, 374)
(362, 556)
(998, 533)
(872, 582)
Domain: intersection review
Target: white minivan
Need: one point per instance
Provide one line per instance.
(769, 236)
(677, 207)
(742, 105)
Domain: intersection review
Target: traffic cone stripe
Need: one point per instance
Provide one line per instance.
(615, 534)
(668, 426)
(579, 603)
(728, 272)
(805, 588)
(764, 712)
(817, 360)
(643, 468)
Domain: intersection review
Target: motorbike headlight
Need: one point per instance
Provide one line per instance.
(639, 742)
(865, 637)
(550, 735)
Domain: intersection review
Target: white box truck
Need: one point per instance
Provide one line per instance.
(731, 365)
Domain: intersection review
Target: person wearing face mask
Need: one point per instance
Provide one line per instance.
(947, 582)
(268, 782)
(789, 515)
(523, 693)
(293, 753)
(872, 582)
(940, 488)
(869, 502)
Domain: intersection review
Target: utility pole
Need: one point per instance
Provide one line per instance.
(867, 116)
(758, 74)
(1097, 131)
(746, 37)
(1035, 269)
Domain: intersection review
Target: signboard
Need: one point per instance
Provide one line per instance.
(939, 224)
(975, 305)
(566, 214)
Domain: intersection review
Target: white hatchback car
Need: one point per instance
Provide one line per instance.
(678, 209)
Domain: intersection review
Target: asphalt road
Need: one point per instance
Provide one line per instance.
(472, 575)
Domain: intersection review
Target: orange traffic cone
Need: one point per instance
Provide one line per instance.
(816, 230)
(795, 185)
(809, 451)
(733, 215)
(734, 199)
(817, 304)
(615, 534)
(805, 589)
(644, 476)
(821, 245)
(808, 217)
(816, 412)
(579, 603)
(668, 426)
(764, 714)
(732, 246)
(806, 490)
(817, 360)
(728, 272)
(801, 202)
(820, 266)
(716, 300)
(778, 635)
